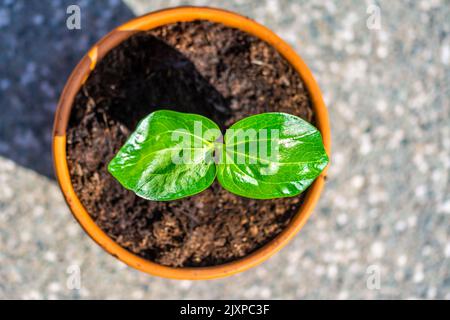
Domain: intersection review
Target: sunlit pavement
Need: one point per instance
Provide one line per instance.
(386, 207)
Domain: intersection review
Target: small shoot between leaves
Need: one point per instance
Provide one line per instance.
(172, 155)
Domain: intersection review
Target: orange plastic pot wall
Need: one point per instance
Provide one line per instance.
(81, 73)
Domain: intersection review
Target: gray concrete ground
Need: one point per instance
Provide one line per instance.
(386, 207)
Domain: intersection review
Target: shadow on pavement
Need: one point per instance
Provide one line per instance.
(37, 54)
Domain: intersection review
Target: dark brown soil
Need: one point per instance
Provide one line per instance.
(196, 67)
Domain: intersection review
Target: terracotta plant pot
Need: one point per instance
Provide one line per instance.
(81, 73)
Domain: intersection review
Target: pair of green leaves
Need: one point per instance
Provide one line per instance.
(172, 155)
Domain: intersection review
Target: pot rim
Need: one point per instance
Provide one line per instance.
(80, 75)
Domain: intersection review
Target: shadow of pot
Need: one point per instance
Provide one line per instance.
(80, 75)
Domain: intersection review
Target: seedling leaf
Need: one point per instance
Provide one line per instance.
(164, 159)
(280, 158)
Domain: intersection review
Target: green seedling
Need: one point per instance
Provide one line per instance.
(172, 155)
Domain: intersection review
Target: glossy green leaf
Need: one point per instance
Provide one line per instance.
(271, 155)
(169, 156)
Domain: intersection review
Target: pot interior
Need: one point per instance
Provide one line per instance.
(196, 67)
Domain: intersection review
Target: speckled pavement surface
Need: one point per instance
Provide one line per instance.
(386, 207)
